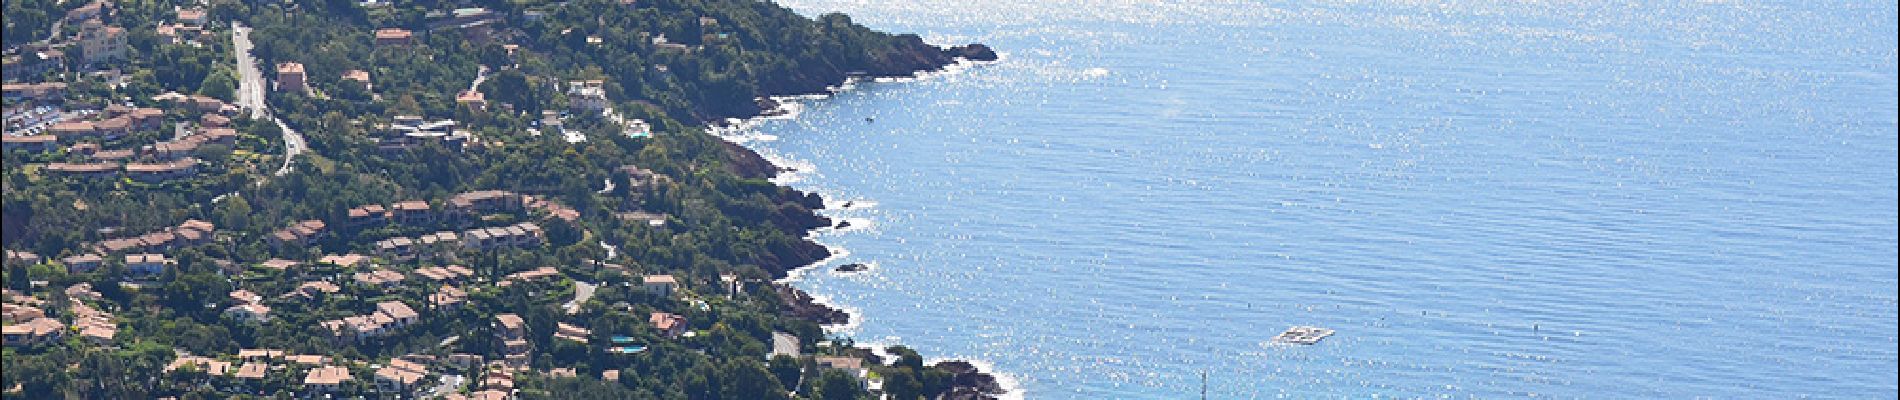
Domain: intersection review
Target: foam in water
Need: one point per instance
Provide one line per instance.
(1436, 181)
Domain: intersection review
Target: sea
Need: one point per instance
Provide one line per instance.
(1484, 199)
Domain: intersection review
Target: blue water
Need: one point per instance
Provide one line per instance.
(1521, 199)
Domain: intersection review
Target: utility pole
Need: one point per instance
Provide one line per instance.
(1203, 384)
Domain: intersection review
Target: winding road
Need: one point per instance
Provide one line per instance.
(250, 94)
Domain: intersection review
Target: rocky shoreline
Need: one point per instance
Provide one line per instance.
(968, 383)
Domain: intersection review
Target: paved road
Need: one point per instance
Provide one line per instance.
(250, 94)
(251, 85)
(582, 292)
(449, 385)
(481, 74)
(785, 344)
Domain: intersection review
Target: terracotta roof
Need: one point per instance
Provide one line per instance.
(448, 295)
(279, 264)
(510, 321)
(396, 309)
(120, 154)
(164, 167)
(71, 127)
(115, 123)
(412, 205)
(31, 139)
(378, 277)
(145, 258)
(666, 321)
(308, 359)
(839, 362)
(198, 225)
(320, 286)
(245, 296)
(84, 258)
(252, 371)
(366, 211)
(392, 33)
(346, 260)
(191, 14)
(329, 375)
(260, 353)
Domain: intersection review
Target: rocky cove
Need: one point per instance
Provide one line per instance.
(918, 57)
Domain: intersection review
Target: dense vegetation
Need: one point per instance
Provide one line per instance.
(722, 217)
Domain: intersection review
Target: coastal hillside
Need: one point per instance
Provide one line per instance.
(423, 199)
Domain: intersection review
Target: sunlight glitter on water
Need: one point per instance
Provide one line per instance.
(1486, 199)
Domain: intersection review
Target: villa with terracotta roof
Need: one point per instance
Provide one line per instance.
(147, 118)
(34, 143)
(518, 235)
(209, 366)
(380, 277)
(659, 285)
(15, 313)
(258, 354)
(83, 263)
(448, 297)
(22, 257)
(313, 289)
(148, 264)
(302, 233)
(393, 37)
(191, 16)
(71, 130)
(485, 201)
(512, 332)
(442, 274)
(563, 330)
(278, 264)
(242, 296)
(101, 43)
(389, 316)
(357, 77)
(83, 291)
(397, 248)
(115, 127)
(162, 171)
(94, 325)
(32, 332)
(36, 91)
(366, 215)
(345, 261)
(400, 375)
(471, 98)
(326, 378)
(413, 212)
(255, 312)
(290, 77)
(669, 324)
(308, 359)
(252, 371)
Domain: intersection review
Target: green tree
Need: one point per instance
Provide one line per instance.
(836, 384)
(902, 384)
(747, 379)
(219, 84)
(786, 369)
(512, 87)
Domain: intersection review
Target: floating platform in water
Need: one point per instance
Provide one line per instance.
(1302, 335)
